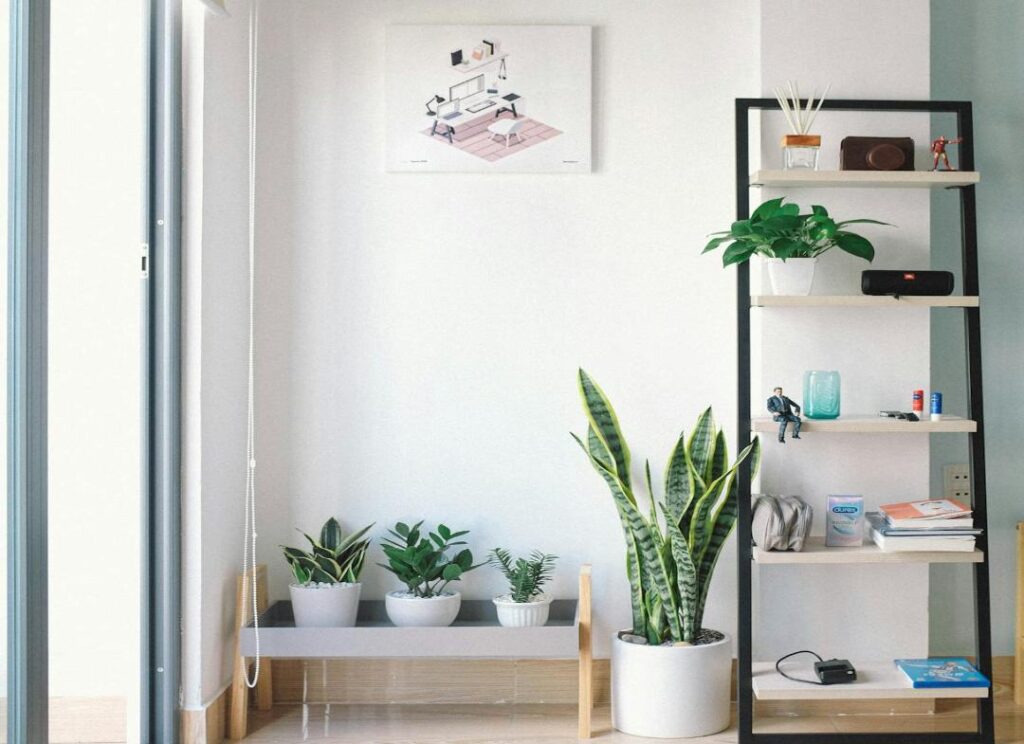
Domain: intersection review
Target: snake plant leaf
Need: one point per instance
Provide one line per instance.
(301, 574)
(697, 489)
(702, 440)
(331, 534)
(686, 579)
(724, 522)
(596, 448)
(320, 576)
(718, 463)
(677, 482)
(348, 541)
(312, 543)
(653, 563)
(602, 417)
(329, 566)
(701, 535)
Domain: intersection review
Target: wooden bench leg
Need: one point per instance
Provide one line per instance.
(586, 694)
(265, 686)
(239, 724)
(1018, 661)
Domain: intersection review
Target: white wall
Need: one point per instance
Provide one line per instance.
(216, 285)
(974, 44)
(402, 374)
(418, 335)
(881, 355)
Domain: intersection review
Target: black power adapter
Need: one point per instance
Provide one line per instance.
(835, 671)
(829, 672)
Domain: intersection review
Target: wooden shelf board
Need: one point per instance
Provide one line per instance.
(860, 301)
(815, 552)
(875, 681)
(889, 179)
(475, 633)
(870, 425)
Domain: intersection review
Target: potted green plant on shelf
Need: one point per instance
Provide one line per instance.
(670, 674)
(421, 562)
(790, 242)
(525, 604)
(325, 592)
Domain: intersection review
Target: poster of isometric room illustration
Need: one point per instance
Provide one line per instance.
(488, 99)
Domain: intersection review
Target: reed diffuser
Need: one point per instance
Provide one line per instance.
(799, 148)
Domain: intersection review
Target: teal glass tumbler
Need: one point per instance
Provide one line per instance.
(821, 394)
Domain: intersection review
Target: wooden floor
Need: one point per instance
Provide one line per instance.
(556, 724)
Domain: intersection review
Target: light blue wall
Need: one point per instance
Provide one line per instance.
(977, 55)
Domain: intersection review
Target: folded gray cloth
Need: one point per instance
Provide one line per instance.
(780, 522)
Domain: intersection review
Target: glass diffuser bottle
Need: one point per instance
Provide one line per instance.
(821, 394)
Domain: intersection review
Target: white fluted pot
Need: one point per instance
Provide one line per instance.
(522, 614)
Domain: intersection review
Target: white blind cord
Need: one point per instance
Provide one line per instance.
(249, 531)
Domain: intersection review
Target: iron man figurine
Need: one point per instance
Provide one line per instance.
(939, 151)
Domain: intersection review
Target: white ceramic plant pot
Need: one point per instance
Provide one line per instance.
(671, 692)
(794, 276)
(522, 614)
(325, 605)
(409, 611)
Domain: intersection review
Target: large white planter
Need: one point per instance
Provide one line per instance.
(794, 276)
(671, 691)
(409, 611)
(522, 614)
(325, 605)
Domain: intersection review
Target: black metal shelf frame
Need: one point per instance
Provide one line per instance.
(984, 733)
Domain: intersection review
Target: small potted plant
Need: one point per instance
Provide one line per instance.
(790, 242)
(325, 593)
(421, 562)
(670, 674)
(525, 604)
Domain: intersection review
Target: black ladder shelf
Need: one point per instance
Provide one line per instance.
(969, 243)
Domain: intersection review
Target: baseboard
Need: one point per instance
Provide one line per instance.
(208, 724)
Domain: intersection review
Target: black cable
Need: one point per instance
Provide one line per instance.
(778, 668)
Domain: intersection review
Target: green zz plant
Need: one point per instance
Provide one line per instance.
(333, 559)
(671, 556)
(526, 576)
(421, 562)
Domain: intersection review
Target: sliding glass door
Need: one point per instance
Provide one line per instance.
(88, 544)
(96, 196)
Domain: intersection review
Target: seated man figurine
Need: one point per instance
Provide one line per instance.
(782, 409)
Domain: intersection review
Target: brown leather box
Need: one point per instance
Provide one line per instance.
(877, 153)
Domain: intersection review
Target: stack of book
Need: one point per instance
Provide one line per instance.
(943, 525)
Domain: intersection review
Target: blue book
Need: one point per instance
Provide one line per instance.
(948, 671)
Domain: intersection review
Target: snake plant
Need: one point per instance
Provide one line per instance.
(333, 559)
(672, 549)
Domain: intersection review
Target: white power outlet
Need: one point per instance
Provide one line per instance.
(956, 481)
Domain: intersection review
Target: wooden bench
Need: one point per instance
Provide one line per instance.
(474, 634)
